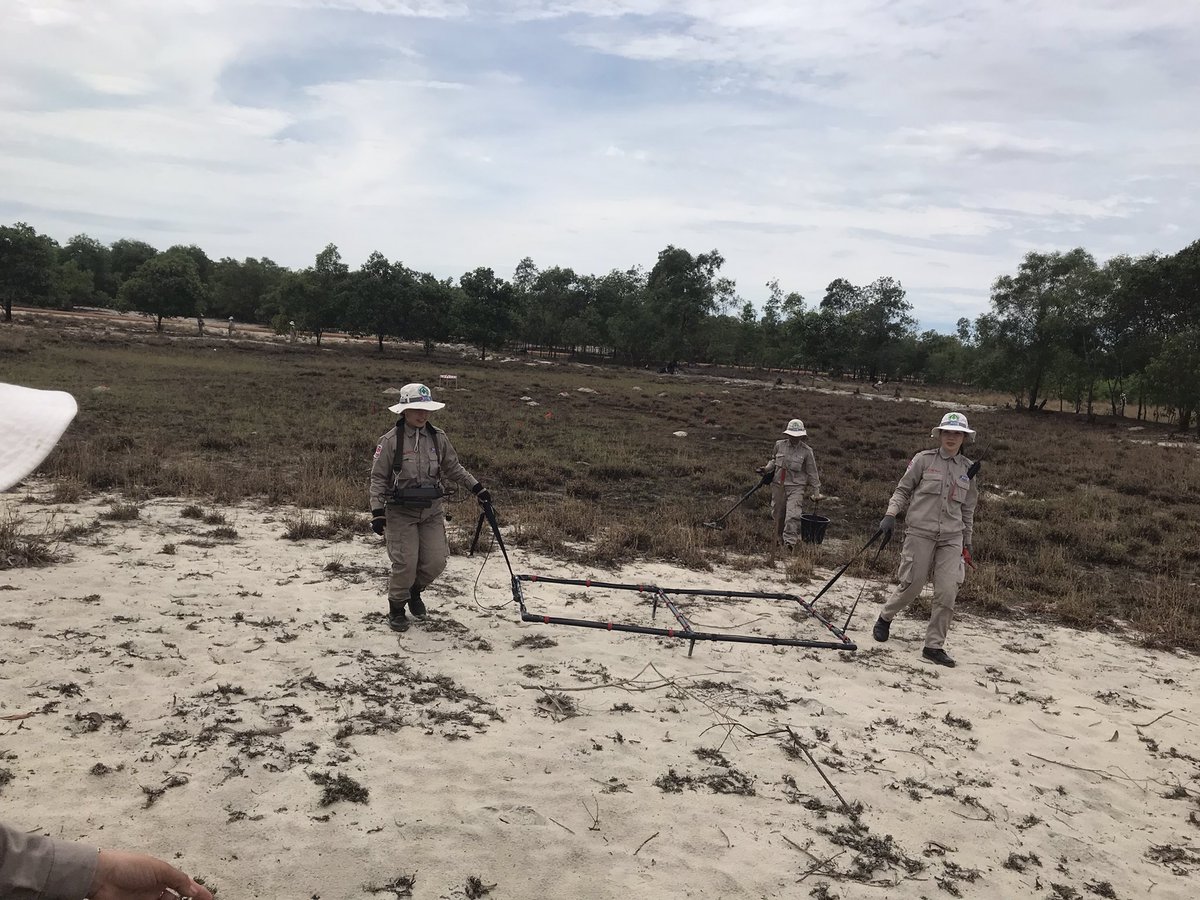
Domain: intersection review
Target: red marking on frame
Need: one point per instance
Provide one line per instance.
(587, 583)
(546, 619)
(670, 632)
(610, 626)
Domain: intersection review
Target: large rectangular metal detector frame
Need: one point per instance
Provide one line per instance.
(685, 630)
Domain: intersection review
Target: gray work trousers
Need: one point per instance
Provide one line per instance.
(417, 548)
(787, 505)
(920, 558)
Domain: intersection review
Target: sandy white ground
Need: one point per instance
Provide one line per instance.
(228, 675)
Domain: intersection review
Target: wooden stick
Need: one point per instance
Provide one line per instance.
(1152, 721)
(645, 842)
(818, 866)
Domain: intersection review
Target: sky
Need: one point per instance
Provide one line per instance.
(806, 140)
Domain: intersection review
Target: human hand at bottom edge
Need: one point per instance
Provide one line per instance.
(136, 876)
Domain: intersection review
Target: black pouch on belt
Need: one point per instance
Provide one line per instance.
(419, 497)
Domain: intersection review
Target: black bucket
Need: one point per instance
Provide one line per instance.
(812, 528)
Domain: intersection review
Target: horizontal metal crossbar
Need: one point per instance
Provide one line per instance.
(685, 630)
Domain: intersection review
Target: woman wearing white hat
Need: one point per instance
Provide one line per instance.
(938, 495)
(792, 474)
(31, 423)
(406, 500)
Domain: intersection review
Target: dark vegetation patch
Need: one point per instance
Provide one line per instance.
(535, 641)
(24, 546)
(1087, 538)
(339, 787)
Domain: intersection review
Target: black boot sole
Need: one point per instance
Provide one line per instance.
(944, 661)
(881, 632)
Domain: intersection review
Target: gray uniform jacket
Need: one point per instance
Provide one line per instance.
(33, 867)
(427, 456)
(937, 496)
(794, 466)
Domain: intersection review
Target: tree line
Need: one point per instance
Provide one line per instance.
(1063, 327)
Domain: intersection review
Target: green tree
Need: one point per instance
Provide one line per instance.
(243, 289)
(126, 257)
(381, 298)
(315, 298)
(204, 265)
(165, 285)
(882, 318)
(26, 266)
(71, 285)
(621, 306)
(681, 290)
(434, 302)
(1023, 335)
(487, 309)
(94, 258)
(1173, 375)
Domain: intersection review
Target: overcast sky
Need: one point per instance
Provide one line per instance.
(932, 141)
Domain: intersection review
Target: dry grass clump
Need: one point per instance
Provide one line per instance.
(121, 512)
(1169, 613)
(21, 546)
(339, 525)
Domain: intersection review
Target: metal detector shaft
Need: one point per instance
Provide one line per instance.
(478, 529)
(884, 543)
(490, 514)
(744, 498)
(839, 572)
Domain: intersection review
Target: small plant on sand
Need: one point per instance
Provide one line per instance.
(339, 787)
(20, 547)
(121, 512)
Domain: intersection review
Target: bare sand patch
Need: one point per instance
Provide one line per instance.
(239, 700)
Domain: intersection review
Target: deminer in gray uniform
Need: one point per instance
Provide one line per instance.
(406, 500)
(792, 474)
(937, 495)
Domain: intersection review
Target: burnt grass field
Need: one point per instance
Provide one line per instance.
(1092, 525)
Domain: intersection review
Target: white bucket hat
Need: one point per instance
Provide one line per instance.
(954, 421)
(795, 428)
(416, 396)
(31, 422)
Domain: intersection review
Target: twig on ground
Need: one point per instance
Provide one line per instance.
(646, 841)
(1100, 772)
(595, 826)
(560, 825)
(1155, 719)
(1069, 737)
(820, 865)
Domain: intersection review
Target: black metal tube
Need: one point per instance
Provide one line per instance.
(478, 531)
(690, 635)
(679, 617)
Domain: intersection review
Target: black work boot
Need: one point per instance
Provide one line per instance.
(882, 630)
(397, 621)
(939, 656)
(414, 602)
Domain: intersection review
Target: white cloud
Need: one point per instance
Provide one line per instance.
(805, 140)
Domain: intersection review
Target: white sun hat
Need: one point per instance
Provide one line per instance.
(416, 396)
(954, 421)
(31, 422)
(795, 428)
